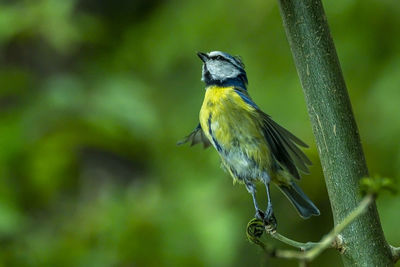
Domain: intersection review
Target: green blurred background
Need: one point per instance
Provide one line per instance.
(95, 94)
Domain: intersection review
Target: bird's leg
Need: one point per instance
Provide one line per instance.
(269, 217)
(259, 214)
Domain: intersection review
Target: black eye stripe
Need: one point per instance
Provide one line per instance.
(235, 62)
(221, 58)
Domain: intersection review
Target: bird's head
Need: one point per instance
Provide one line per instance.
(220, 68)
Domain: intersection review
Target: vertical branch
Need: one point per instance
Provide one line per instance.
(335, 129)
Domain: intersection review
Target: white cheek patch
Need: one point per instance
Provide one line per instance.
(221, 70)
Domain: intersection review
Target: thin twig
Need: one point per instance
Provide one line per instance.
(290, 242)
(329, 238)
(312, 250)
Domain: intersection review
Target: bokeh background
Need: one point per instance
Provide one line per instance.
(95, 94)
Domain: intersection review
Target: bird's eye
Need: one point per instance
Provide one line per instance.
(218, 58)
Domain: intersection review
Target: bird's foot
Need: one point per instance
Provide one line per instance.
(270, 221)
(260, 215)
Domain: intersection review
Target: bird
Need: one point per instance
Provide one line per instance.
(253, 148)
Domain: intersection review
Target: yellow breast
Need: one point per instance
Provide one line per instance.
(226, 119)
(226, 110)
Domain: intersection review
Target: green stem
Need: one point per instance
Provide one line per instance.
(329, 238)
(335, 129)
(314, 249)
(290, 242)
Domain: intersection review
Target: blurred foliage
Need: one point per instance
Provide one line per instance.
(95, 94)
(377, 185)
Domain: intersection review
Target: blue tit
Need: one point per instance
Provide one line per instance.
(253, 148)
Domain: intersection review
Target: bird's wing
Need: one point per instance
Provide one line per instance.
(285, 146)
(245, 97)
(195, 137)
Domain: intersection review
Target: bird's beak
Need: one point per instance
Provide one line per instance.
(203, 56)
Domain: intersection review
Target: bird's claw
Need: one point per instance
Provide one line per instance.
(260, 215)
(270, 221)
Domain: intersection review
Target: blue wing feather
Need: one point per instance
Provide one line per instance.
(246, 98)
(282, 143)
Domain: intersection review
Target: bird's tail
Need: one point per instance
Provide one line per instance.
(300, 201)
